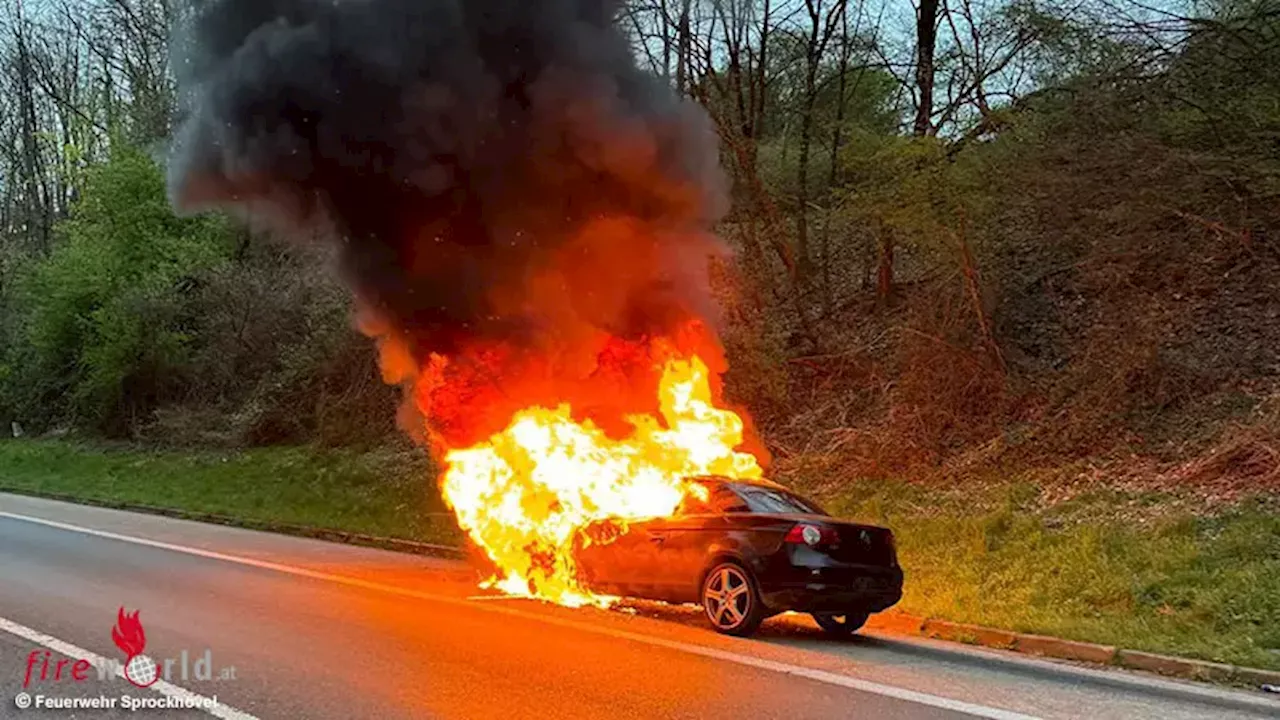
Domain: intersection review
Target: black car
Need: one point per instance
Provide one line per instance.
(746, 550)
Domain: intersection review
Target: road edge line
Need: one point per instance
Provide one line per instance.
(344, 537)
(822, 676)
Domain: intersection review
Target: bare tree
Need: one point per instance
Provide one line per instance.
(926, 43)
(984, 46)
(37, 213)
(684, 45)
(823, 24)
(843, 91)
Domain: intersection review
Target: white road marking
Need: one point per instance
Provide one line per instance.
(821, 676)
(164, 687)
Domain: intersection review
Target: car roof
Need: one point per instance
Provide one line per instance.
(760, 482)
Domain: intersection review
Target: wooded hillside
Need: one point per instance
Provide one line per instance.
(976, 236)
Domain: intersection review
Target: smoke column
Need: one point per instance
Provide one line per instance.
(517, 207)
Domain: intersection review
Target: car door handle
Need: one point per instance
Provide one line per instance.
(657, 539)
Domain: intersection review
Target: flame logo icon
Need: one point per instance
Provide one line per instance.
(129, 636)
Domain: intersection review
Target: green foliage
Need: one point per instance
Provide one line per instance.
(871, 98)
(100, 332)
(902, 183)
(276, 360)
(869, 115)
(1223, 90)
(140, 323)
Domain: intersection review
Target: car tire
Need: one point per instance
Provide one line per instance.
(730, 599)
(840, 625)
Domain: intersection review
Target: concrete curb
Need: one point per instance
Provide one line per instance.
(892, 622)
(338, 536)
(1185, 668)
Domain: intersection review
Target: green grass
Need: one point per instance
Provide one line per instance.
(1131, 571)
(386, 492)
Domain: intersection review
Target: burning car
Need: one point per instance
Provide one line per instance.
(746, 549)
(526, 219)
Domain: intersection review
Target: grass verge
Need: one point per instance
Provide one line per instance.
(1142, 571)
(386, 492)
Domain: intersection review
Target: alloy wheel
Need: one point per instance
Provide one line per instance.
(727, 598)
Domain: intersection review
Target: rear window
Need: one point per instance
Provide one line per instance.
(711, 498)
(772, 500)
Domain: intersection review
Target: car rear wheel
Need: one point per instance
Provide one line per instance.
(840, 625)
(730, 600)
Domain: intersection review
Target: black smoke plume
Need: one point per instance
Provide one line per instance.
(493, 170)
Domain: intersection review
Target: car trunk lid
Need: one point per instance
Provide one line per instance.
(862, 544)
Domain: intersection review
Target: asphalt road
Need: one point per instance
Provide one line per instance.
(292, 628)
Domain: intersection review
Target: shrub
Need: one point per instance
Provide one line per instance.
(98, 337)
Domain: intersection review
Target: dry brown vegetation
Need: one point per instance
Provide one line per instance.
(1125, 315)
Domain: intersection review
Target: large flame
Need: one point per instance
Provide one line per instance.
(523, 494)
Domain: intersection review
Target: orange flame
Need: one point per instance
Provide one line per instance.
(523, 494)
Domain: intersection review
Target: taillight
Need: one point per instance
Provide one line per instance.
(812, 535)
